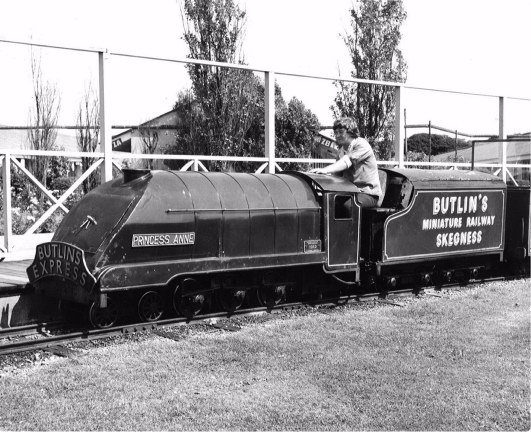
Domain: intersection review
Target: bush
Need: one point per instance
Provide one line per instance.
(28, 203)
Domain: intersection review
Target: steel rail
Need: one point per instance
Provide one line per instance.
(28, 330)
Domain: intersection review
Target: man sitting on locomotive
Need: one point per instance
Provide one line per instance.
(356, 162)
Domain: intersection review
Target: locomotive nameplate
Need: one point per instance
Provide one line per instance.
(163, 239)
(439, 223)
(57, 259)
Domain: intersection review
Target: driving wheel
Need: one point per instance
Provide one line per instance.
(189, 305)
(150, 307)
(103, 318)
(230, 300)
(270, 296)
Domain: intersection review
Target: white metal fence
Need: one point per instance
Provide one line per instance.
(268, 163)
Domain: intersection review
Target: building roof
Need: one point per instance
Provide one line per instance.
(167, 119)
(122, 140)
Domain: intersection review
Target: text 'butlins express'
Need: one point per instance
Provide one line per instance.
(60, 259)
(459, 213)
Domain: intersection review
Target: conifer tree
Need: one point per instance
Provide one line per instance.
(372, 43)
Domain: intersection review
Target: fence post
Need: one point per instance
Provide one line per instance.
(502, 136)
(270, 120)
(8, 225)
(105, 123)
(399, 128)
(455, 146)
(429, 140)
(501, 118)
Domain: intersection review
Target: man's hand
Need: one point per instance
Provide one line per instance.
(318, 171)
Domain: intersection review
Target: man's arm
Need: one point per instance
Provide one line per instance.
(338, 166)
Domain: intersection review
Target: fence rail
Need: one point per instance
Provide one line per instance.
(194, 163)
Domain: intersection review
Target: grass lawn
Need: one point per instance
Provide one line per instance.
(458, 362)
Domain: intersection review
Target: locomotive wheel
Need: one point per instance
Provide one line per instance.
(103, 318)
(269, 296)
(150, 306)
(230, 300)
(189, 305)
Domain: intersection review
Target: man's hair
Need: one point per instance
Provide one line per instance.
(347, 123)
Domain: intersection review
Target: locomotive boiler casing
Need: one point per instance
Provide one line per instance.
(148, 228)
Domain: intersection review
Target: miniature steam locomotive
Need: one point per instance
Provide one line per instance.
(156, 240)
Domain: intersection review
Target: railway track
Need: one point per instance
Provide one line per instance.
(28, 330)
(40, 336)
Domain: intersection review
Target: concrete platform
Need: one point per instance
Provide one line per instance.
(22, 247)
(13, 275)
(18, 304)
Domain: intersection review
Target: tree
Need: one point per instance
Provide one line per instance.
(189, 137)
(295, 128)
(87, 122)
(373, 47)
(223, 112)
(226, 98)
(149, 136)
(43, 118)
(439, 143)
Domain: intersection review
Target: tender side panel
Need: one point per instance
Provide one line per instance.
(518, 239)
(445, 223)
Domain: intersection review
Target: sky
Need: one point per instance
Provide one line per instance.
(477, 46)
